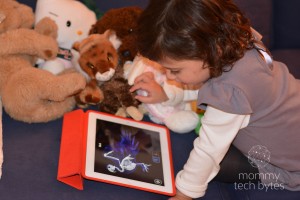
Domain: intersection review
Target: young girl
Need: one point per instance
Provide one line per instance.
(251, 101)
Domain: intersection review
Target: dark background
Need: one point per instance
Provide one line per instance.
(103, 5)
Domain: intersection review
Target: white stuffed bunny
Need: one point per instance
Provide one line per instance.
(176, 113)
(74, 20)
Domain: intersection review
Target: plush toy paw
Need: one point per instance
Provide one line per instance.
(47, 48)
(90, 95)
(134, 113)
(68, 84)
(121, 112)
(35, 95)
(47, 27)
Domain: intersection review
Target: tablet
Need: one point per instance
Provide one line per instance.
(129, 153)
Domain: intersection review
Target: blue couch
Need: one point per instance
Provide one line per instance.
(279, 23)
(32, 150)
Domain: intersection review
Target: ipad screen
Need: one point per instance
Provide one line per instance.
(128, 153)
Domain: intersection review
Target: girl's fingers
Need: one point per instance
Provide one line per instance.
(138, 86)
(145, 77)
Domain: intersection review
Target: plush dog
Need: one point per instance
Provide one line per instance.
(99, 61)
(124, 22)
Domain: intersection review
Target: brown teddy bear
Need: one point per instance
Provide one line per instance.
(30, 94)
(99, 60)
(124, 22)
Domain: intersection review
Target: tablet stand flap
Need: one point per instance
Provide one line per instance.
(70, 156)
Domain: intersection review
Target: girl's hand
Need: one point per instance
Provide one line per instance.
(180, 196)
(147, 83)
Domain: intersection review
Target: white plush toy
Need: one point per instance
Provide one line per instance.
(74, 20)
(176, 113)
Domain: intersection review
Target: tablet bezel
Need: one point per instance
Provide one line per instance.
(89, 154)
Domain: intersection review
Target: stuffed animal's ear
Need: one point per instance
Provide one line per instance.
(112, 37)
(76, 46)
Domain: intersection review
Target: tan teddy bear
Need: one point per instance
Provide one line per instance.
(27, 93)
(30, 94)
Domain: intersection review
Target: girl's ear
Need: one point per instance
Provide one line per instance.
(112, 37)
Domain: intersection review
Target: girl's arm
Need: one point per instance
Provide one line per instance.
(216, 134)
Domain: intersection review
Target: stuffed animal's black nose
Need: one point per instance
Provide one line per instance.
(126, 53)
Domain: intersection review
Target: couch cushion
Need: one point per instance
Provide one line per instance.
(260, 14)
(291, 58)
(286, 24)
(107, 5)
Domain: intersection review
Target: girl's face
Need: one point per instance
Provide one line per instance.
(189, 72)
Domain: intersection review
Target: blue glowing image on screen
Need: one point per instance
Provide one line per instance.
(128, 152)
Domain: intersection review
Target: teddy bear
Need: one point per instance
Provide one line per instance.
(74, 20)
(27, 93)
(124, 22)
(176, 113)
(99, 61)
(30, 94)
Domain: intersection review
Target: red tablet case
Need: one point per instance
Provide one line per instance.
(73, 149)
(70, 157)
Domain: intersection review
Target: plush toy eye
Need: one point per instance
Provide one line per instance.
(109, 57)
(90, 65)
(130, 30)
(68, 23)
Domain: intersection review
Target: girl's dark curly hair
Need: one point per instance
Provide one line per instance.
(214, 31)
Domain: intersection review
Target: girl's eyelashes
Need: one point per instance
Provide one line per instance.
(174, 71)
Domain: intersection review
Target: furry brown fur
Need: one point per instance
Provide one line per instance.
(99, 59)
(30, 94)
(124, 22)
(117, 97)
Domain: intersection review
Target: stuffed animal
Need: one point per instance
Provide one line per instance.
(30, 94)
(176, 113)
(14, 14)
(99, 61)
(124, 22)
(74, 20)
(27, 93)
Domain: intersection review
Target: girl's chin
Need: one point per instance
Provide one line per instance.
(198, 85)
(193, 85)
